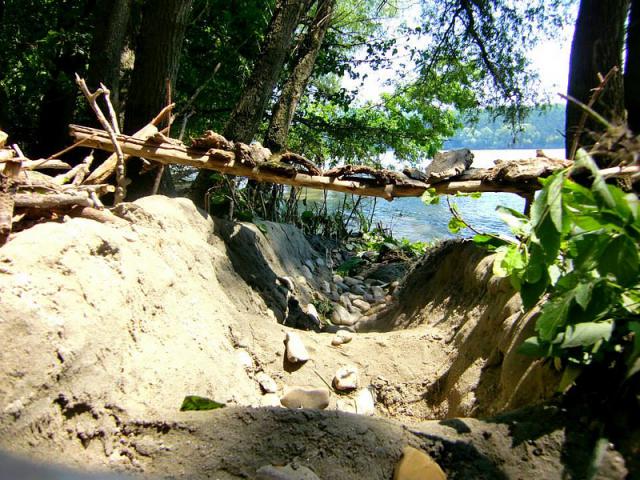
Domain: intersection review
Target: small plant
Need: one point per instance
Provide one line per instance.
(578, 262)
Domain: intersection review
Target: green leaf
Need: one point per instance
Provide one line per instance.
(553, 316)
(490, 242)
(531, 292)
(455, 225)
(554, 199)
(586, 334)
(582, 294)
(569, 376)
(620, 258)
(194, 402)
(516, 221)
(430, 197)
(633, 361)
(262, 227)
(533, 348)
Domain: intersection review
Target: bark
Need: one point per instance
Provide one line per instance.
(108, 42)
(632, 72)
(246, 116)
(156, 66)
(597, 48)
(294, 87)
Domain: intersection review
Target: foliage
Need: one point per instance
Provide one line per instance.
(578, 261)
(194, 402)
(379, 240)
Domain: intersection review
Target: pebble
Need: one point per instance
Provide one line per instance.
(359, 278)
(345, 301)
(346, 379)
(334, 296)
(320, 262)
(342, 337)
(305, 397)
(296, 351)
(337, 278)
(341, 316)
(244, 359)
(417, 465)
(368, 298)
(378, 292)
(310, 264)
(362, 305)
(267, 383)
(373, 281)
(358, 290)
(306, 273)
(288, 472)
(352, 281)
(326, 287)
(341, 287)
(365, 402)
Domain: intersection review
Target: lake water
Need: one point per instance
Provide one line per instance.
(410, 218)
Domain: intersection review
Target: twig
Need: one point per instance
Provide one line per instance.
(121, 190)
(160, 172)
(458, 217)
(592, 101)
(68, 149)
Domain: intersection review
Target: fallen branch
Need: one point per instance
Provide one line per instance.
(52, 200)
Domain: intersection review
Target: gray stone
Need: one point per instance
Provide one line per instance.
(342, 287)
(305, 397)
(320, 262)
(367, 297)
(352, 281)
(288, 472)
(326, 287)
(313, 313)
(334, 296)
(296, 351)
(345, 301)
(306, 273)
(310, 264)
(378, 292)
(346, 379)
(358, 290)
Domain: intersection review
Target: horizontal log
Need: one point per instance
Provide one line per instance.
(53, 200)
(224, 161)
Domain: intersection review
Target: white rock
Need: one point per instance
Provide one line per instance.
(267, 383)
(305, 397)
(365, 402)
(337, 278)
(312, 312)
(287, 282)
(342, 337)
(346, 378)
(345, 405)
(270, 400)
(296, 351)
(244, 359)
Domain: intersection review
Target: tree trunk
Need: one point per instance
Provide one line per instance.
(157, 58)
(294, 87)
(596, 49)
(246, 116)
(632, 72)
(106, 48)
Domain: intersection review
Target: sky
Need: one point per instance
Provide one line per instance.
(550, 59)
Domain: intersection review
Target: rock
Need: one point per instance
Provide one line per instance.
(359, 277)
(342, 337)
(320, 262)
(311, 310)
(345, 405)
(326, 287)
(417, 465)
(296, 351)
(305, 397)
(358, 290)
(346, 379)
(341, 287)
(334, 296)
(365, 402)
(287, 283)
(352, 281)
(288, 472)
(345, 301)
(310, 264)
(372, 281)
(378, 292)
(368, 298)
(306, 273)
(270, 400)
(244, 359)
(341, 316)
(362, 305)
(337, 278)
(394, 285)
(267, 384)
(387, 272)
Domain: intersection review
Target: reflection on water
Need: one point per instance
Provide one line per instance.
(410, 218)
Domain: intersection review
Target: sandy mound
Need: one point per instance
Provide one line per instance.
(104, 329)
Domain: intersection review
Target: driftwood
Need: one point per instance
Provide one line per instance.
(52, 200)
(450, 164)
(383, 184)
(293, 158)
(7, 198)
(211, 139)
